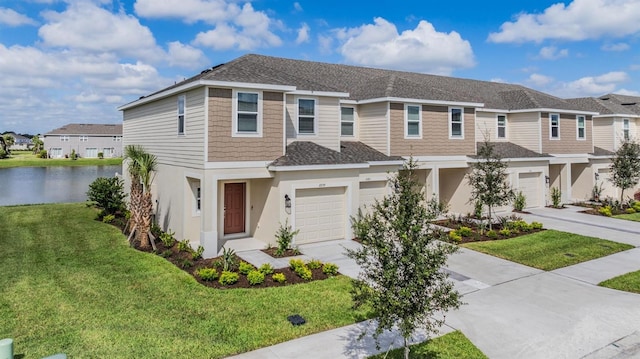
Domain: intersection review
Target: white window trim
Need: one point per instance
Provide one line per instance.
(498, 126)
(406, 121)
(184, 115)
(550, 127)
(64, 138)
(84, 138)
(578, 128)
(234, 126)
(353, 122)
(626, 126)
(117, 138)
(315, 117)
(451, 136)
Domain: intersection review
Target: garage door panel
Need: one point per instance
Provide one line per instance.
(369, 192)
(320, 214)
(530, 185)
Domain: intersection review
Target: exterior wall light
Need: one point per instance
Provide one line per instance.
(597, 176)
(546, 179)
(287, 201)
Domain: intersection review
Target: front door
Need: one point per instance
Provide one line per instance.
(234, 208)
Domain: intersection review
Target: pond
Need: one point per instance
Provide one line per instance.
(30, 185)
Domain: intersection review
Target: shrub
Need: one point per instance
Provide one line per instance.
(266, 268)
(596, 192)
(74, 155)
(255, 277)
(279, 277)
(284, 237)
(303, 272)
(42, 154)
(228, 278)
(492, 234)
(166, 253)
(185, 263)
(167, 238)
(314, 264)
(295, 263)
(184, 246)
(454, 236)
(330, 269)
(465, 231)
(207, 274)
(197, 254)
(630, 210)
(519, 202)
(108, 194)
(245, 268)
(605, 211)
(536, 225)
(100, 155)
(3, 154)
(556, 197)
(228, 259)
(636, 206)
(505, 232)
(108, 218)
(477, 209)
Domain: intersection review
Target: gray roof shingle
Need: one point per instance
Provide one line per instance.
(364, 153)
(603, 106)
(511, 150)
(305, 153)
(87, 129)
(597, 151)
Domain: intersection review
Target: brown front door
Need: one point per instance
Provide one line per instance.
(234, 207)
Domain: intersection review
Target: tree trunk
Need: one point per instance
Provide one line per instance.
(621, 197)
(146, 208)
(490, 220)
(406, 348)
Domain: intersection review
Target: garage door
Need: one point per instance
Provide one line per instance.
(369, 191)
(530, 185)
(320, 214)
(608, 189)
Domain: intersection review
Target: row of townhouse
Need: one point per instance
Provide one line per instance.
(86, 139)
(253, 143)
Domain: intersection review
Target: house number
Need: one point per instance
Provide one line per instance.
(322, 185)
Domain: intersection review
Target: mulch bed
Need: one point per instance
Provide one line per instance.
(476, 236)
(288, 253)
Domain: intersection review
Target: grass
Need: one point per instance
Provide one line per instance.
(629, 217)
(28, 159)
(450, 346)
(72, 284)
(629, 282)
(550, 249)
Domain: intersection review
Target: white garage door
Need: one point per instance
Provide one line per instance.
(530, 185)
(608, 189)
(369, 192)
(320, 214)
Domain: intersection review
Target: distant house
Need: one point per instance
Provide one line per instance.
(86, 139)
(20, 142)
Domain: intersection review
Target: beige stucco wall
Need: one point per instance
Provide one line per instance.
(567, 143)
(582, 181)
(455, 190)
(372, 126)
(327, 121)
(435, 133)
(223, 147)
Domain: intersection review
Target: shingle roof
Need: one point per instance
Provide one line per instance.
(631, 103)
(370, 83)
(304, 153)
(604, 107)
(597, 151)
(87, 129)
(511, 150)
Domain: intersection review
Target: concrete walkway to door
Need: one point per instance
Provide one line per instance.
(515, 311)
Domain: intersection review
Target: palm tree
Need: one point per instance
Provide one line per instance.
(140, 166)
(37, 144)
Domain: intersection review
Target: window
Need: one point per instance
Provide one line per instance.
(247, 112)
(55, 152)
(64, 138)
(117, 138)
(581, 127)
(502, 126)
(625, 128)
(554, 123)
(84, 138)
(306, 116)
(181, 101)
(456, 122)
(346, 121)
(91, 152)
(107, 152)
(413, 116)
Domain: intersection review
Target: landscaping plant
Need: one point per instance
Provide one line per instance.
(556, 197)
(284, 237)
(228, 259)
(108, 194)
(625, 166)
(401, 259)
(520, 202)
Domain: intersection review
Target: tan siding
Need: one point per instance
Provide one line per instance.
(372, 125)
(435, 133)
(328, 122)
(567, 144)
(223, 147)
(155, 127)
(487, 126)
(523, 129)
(603, 133)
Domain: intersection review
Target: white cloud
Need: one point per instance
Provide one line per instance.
(580, 20)
(303, 34)
(12, 18)
(185, 56)
(250, 30)
(628, 92)
(422, 49)
(87, 27)
(190, 11)
(297, 7)
(325, 44)
(552, 53)
(621, 46)
(591, 85)
(539, 80)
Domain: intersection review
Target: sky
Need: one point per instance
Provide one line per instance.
(76, 61)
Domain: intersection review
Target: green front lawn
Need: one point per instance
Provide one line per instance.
(450, 346)
(72, 284)
(28, 159)
(549, 250)
(629, 282)
(629, 217)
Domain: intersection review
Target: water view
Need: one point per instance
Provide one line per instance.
(30, 185)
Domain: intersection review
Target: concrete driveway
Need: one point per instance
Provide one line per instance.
(515, 311)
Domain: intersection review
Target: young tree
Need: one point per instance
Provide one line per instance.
(401, 257)
(38, 145)
(488, 180)
(625, 166)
